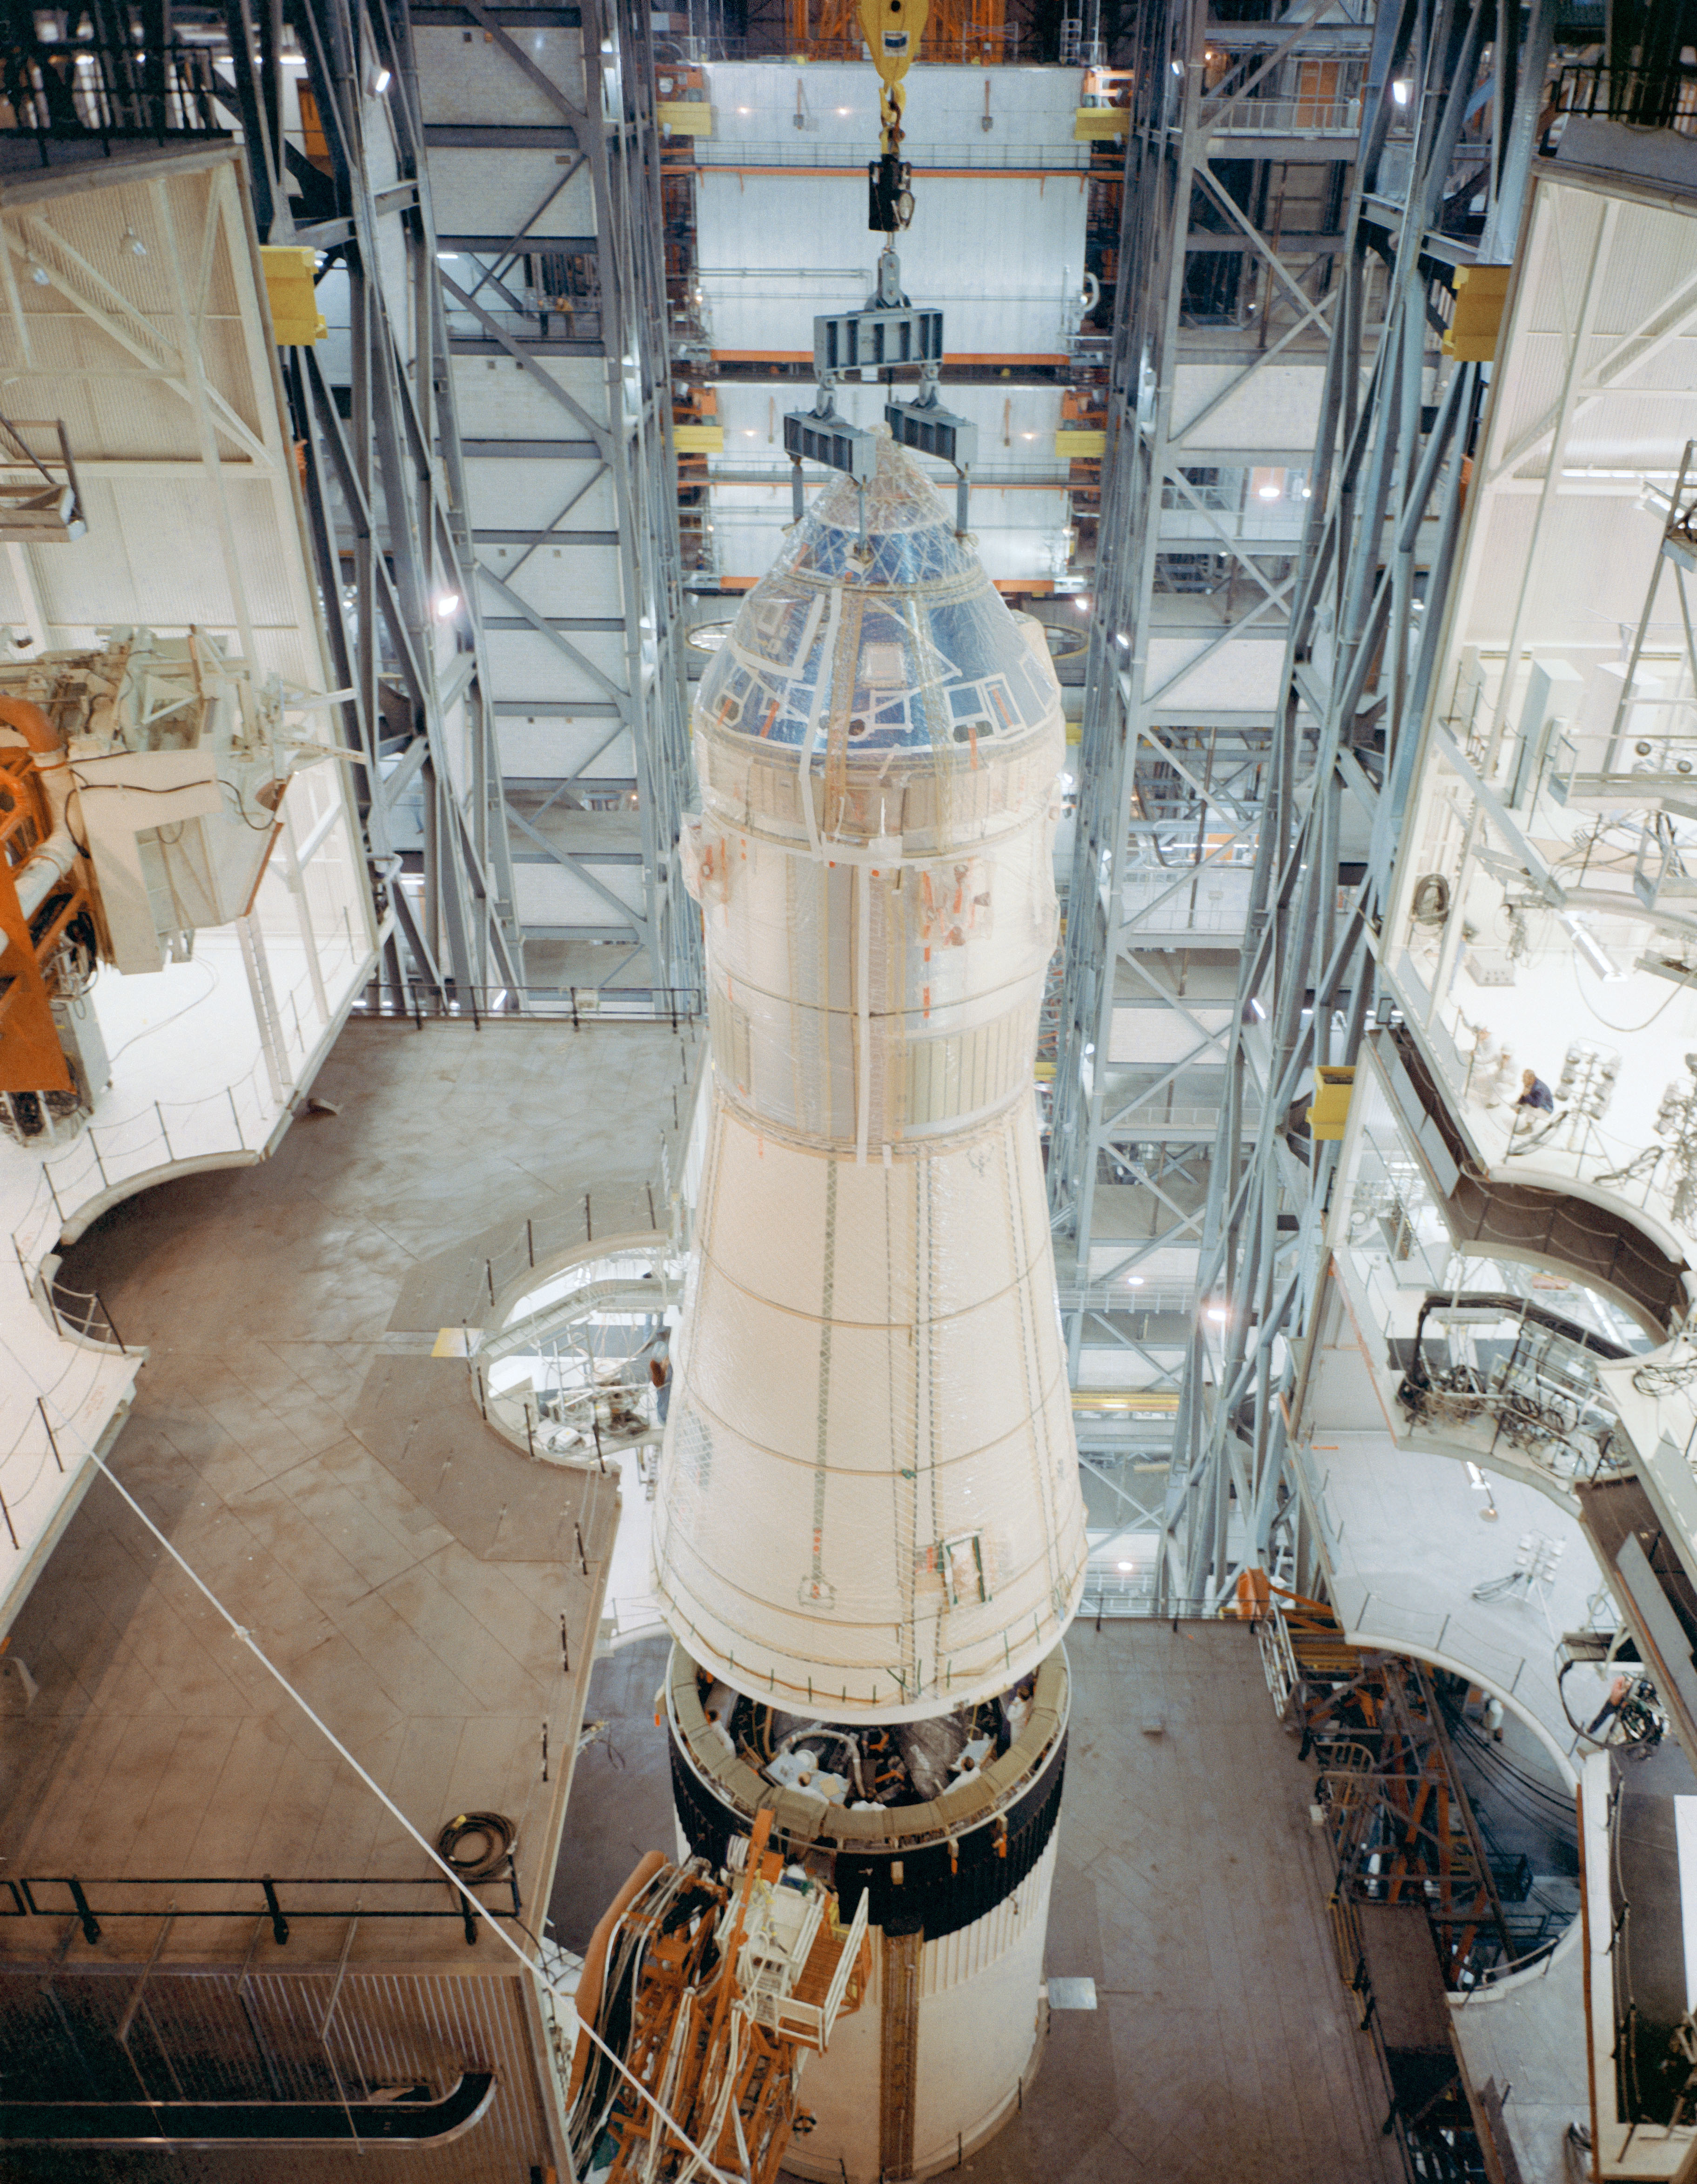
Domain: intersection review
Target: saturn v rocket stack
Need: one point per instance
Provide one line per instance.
(870, 1537)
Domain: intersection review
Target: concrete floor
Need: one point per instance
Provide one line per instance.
(1224, 2044)
(413, 1576)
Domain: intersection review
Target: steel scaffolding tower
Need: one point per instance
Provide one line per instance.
(1240, 144)
(1449, 121)
(1445, 119)
(386, 476)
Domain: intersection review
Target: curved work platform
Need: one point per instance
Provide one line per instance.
(1406, 1538)
(258, 2124)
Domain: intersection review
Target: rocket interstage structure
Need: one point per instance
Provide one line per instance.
(869, 1531)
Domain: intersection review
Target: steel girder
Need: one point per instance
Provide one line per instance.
(387, 483)
(624, 160)
(1384, 518)
(1151, 744)
(1160, 157)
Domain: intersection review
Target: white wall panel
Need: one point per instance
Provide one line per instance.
(464, 76)
(499, 400)
(1031, 109)
(552, 895)
(550, 746)
(584, 580)
(474, 193)
(525, 660)
(1241, 677)
(1277, 407)
(511, 494)
(761, 236)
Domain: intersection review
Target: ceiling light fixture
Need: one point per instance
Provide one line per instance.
(380, 80)
(1402, 91)
(1586, 944)
(447, 606)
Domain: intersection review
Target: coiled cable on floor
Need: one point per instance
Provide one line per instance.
(499, 1835)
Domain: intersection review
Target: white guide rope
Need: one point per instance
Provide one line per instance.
(706, 2167)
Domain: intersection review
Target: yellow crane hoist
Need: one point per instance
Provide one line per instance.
(893, 29)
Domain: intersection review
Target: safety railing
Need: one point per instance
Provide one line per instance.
(82, 1315)
(966, 44)
(67, 89)
(418, 1004)
(239, 1119)
(1106, 1599)
(51, 1440)
(800, 151)
(1650, 97)
(91, 1901)
(1132, 1293)
(546, 322)
(1285, 117)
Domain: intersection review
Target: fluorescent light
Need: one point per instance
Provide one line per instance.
(1121, 638)
(1401, 92)
(380, 80)
(1267, 492)
(1134, 1281)
(1478, 1478)
(1124, 1566)
(1082, 605)
(448, 605)
(1586, 944)
(1217, 1312)
(1256, 1010)
(1178, 68)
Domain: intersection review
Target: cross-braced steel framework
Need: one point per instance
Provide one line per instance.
(1444, 117)
(384, 484)
(1366, 623)
(400, 567)
(1239, 140)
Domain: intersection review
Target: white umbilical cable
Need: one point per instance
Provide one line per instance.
(706, 2167)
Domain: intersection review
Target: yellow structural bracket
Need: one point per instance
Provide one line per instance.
(1331, 1110)
(893, 29)
(1481, 293)
(296, 319)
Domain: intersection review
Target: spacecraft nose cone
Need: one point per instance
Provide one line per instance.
(910, 539)
(898, 643)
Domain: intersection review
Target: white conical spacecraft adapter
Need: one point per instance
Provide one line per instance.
(869, 1500)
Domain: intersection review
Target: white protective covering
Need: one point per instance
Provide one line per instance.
(869, 1497)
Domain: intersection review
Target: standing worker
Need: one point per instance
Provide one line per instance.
(659, 1372)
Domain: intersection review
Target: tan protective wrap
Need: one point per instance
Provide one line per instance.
(870, 1499)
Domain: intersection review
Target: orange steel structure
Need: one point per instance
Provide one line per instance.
(956, 30)
(31, 1059)
(728, 2079)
